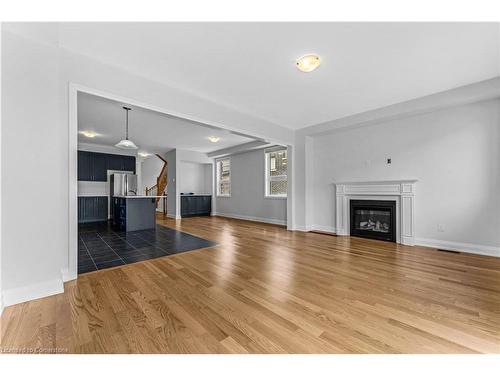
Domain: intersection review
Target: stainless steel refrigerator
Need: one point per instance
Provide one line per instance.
(122, 184)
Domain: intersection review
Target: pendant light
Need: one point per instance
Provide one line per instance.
(126, 143)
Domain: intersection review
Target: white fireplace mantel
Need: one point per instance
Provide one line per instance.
(400, 191)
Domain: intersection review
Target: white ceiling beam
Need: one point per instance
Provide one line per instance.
(254, 145)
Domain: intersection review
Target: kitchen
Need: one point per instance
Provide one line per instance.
(135, 167)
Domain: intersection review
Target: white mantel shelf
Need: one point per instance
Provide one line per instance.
(389, 182)
(400, 191)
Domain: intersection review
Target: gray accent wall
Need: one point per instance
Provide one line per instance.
(247, 200)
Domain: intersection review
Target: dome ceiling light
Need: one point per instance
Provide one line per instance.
(308, 63)
(126, 143)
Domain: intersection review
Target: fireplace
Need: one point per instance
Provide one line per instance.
(400, 192)
(374, 219)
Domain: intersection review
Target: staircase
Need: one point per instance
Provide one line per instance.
(162, 179)
(161, 182)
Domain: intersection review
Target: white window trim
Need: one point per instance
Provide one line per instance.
(217, 166)
(268, 178)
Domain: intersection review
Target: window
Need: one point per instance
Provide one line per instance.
(276, 176)
(224, 178)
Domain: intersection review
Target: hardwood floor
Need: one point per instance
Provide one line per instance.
(267, 290)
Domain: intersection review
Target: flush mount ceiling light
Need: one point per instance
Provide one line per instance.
(88, 133)
(213, 139)
(126, 143)
(308, 63)
(144, 154)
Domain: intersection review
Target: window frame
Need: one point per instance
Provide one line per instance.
(218, 165)
(268, 178)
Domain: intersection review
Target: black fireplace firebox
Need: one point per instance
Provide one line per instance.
(374, 219)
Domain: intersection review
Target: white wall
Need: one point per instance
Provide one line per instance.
(193, 156)
(247, 198)
(105, 149)
(194, 172)
(454, 154)
(208, 178)
(1, 290)
(301, 185)
(150, 169)
(34, 230)
(193, 178)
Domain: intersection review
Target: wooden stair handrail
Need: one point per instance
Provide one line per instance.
(149, 189)
(162, 158)
(162, 180)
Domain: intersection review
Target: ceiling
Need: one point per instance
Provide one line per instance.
(251, 66)
(153, 132)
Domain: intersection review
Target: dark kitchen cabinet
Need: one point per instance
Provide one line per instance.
(120, 213)
(92, 209)
(196, 205)
(84, 166)
(94, 166)
(115, 162)
(99, 167)
(128, 163)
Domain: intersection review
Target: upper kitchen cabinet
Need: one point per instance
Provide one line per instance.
(84, 166)
(94, 166)
(115, 162)
(121, 163)
(99, 167)
(129, 163)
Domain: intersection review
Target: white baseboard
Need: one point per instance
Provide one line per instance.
(33, 291)
(67, 276)
(173, 216)
(459, 246)
(427, 242)
(310, 228)
(251, 218)
(324, 228)
(300, 228)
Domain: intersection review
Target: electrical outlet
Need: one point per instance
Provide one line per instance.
(440, 228)
(368, 163)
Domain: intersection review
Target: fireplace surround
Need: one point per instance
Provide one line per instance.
(375, 219)
(402, 192)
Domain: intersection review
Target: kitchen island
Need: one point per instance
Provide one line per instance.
(134, 212)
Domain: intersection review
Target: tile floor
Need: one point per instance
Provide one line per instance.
(101, 246)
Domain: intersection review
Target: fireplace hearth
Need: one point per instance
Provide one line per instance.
(374, 219)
